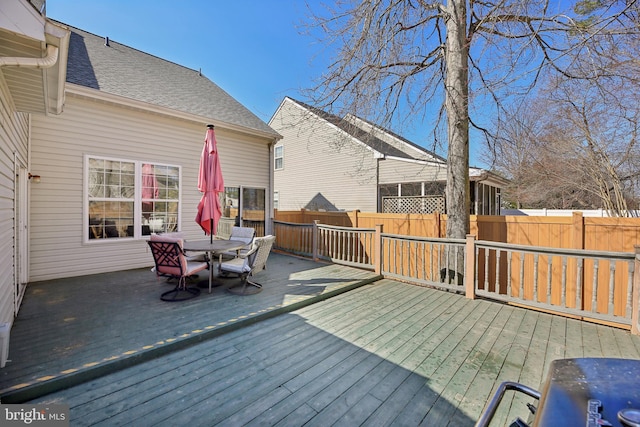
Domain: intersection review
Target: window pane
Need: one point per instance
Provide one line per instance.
(278, 157)
(168, 179)
(253, 214)
(111, 179)
(161, 192)
(110, 219)
(231, 202)
(150, 188)
(96, 178)
(114, 200)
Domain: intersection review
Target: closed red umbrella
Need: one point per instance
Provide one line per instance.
(210, 183)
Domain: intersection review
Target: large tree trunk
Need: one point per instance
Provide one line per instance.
(457, 107)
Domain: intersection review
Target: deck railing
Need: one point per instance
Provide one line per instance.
(423, 260)
(345, 245)
(588, 284)
(342, 245)
(294, 238)
(597, 286)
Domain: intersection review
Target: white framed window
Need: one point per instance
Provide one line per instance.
(278, 157)
(127, 199)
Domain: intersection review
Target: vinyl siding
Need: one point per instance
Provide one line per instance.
(13, 141)
(320, 159)
(59, 144)
(398, 171)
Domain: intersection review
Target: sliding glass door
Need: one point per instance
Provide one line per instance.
(245, 207)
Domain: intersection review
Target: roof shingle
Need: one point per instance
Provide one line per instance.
(120, 70)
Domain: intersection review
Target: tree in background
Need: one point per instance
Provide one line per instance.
(404, 60)
(574, 147)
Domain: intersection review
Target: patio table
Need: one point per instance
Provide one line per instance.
(213, 247)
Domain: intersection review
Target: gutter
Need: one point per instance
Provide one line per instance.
(47, 62)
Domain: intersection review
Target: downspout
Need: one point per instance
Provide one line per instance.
(269, 228)
(16, 225)
(378, 197)
(47, 62)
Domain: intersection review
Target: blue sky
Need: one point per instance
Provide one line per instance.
(253, 49)
(256, 50)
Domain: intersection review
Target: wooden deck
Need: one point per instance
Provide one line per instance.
(71, 330)
(386, 353)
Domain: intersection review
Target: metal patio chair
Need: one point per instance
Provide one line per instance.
(251, 264)
(170, 261)
(242, 234)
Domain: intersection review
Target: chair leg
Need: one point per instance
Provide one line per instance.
(180, 293)
(246, 287)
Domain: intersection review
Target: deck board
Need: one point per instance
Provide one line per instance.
(491, 366)
(114, 318)
(387, 353)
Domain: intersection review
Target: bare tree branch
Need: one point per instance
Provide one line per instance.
(398, 61)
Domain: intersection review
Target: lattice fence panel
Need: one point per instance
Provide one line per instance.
(413, 204)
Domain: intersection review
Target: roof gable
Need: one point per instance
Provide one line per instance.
(99, 63)
(351, 126)
(412, 149)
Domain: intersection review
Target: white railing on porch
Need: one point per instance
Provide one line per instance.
(598, 286)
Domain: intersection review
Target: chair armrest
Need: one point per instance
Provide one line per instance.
(253, 248)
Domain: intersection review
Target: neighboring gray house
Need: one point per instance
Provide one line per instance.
(94, 120)
(331, 163)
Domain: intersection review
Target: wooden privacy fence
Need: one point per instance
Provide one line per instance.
(566, 232)
(600, 286)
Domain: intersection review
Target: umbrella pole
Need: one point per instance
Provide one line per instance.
(211, 231)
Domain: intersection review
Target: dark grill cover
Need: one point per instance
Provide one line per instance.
(588, 392)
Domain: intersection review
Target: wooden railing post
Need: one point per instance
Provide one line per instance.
(377, 248)
(635, 294)
(470, 267)
(314, 240)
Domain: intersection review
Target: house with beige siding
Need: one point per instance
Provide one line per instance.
(326, 162)
(100, 146)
